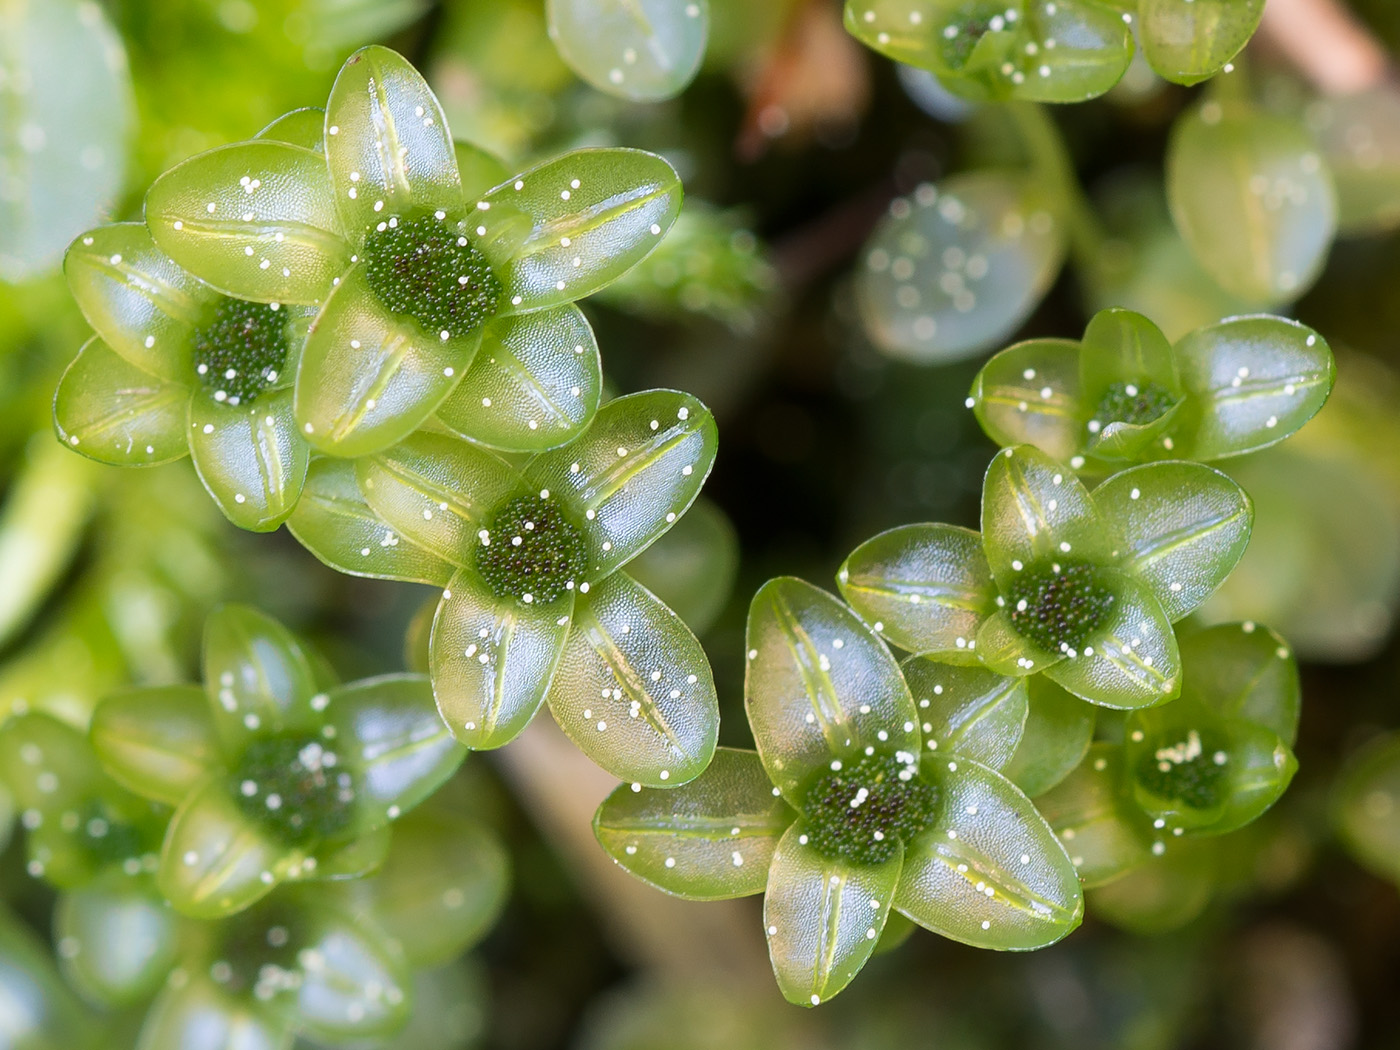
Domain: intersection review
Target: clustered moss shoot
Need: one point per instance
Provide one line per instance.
(291, 784)
(1059, 606)
(241, 350)
(531, 552)
(1190, 771)
(1134, 403)
(258, 953)
(861, 810)
(424, 268)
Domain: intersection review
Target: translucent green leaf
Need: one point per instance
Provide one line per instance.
(1366, 806)
(441, 889)
(823, 917)
(636, 470)
(158, 741)
(438, 491)
(967, 712)
(1105, 834)
(642, 50)
(634, 690)
(369, 377)
(819, 685)
(199, 1013)
(1184, 526)
(988, 872)
(571, 225)
(535, 383)
(41, 1012)
(492, 658)
(924, 587)
(1244, 671)
(989, 49)
(1058, 730)
(1121, 346)
(256, 220)
(249, 457)
(301, 127)
(1165, 895)
(1189, 40)
(1250, 382)
(958, 267)
(387, 143)
(257, 677)
(479, 169)
(343, 859)
(116, 939)
(215, 862)
(1003, 649)
(1191, 769)
(334, 522)
(1035, 511)
(1359, 135)
(1252, 198)
(711, 839)
(388, 734)
(111, 411)
(692, 567)
(143, 306)
(65, 92)
(1029, 394)
(1131, 659)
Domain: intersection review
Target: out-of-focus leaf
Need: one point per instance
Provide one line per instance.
(1359, 136)
(643, 50)
(1187, 41)
(693, 566)
(1059, 727)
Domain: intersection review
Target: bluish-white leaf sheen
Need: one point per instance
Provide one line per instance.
(1184, 527)
(66, 112)
(200, 1013)
(121, 939)
(925, 587)
(334, 522)
(819, 685)
(956, 268)
(633, 688)
(571, 225)
(636, 470)
(492, 658)
(823, 917)
(967, 711)
(642, 50)
(257, 677)
(988, 871)
(710, 839)
(534, 383)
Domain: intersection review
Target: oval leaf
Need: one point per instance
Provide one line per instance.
(1187, 41)
(249, 457)
(257, 677)
(711, 839)
(1029, 394)
(1105, 834)
(967, 711)
(160, 742)
(634, 689)
(1059, 728)
(117, 939)
(111, 411)
(642, 50)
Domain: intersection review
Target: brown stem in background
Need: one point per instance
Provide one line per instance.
(561, 789)
(1327, 44)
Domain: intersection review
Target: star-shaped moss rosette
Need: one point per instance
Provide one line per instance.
(534, 607)
(99, 844)
(178, 368)
(1125, 395)
(1205, 764)
(275, 773)
(1082, 586)
(410, 270)
(855, 803)
(1056, 51)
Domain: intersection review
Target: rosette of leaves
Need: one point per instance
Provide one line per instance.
(858, 800)
(534, 607)
(1081, 586)
(1209, 762)
(275, 772)
(1053, 50)
(1124, 394)
(363, 212)
(178, 368)
(99, 845)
